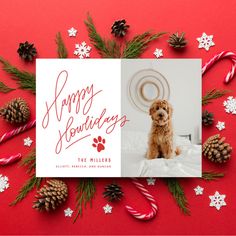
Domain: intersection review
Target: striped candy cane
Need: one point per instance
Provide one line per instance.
(216, 58)
(143, 216)
(9, 160)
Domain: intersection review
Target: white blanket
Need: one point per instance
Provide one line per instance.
(134, 163)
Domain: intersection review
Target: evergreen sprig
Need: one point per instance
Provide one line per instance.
(177, 192)
(212, 175)
(85, 193)
(62, 51)
(4, 88)
(213, 94)
(25, 79)
(32, 182)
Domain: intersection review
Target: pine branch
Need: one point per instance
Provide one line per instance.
(106, 49)
(61, 48)
(4, 88)
(135, 47)
(211, 175)
(85, 193)
(25, 79)
(213, 94)
(178, 193)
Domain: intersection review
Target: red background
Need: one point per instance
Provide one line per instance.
(38, 22)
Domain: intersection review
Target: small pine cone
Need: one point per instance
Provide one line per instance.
(119, 28)
(177, 41)
(216, 150)
(50, 196)
(113, 192)
(207, 118)
(16, 111)
(27, 51)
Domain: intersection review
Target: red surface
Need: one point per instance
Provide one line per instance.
(38, 22)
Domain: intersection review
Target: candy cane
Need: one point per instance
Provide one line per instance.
(216, 58)
(19, 130)
(9, 160)
(147, 216)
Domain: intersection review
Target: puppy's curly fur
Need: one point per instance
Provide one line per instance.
(161, 135)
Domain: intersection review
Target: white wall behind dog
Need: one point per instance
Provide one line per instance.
(184, 78)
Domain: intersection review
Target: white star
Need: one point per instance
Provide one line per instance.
(82, 50)
(205, 41)
(107, 209)
(27, 142)
(220, 125)
(217, 200)
(68, 212)
(158, 53)
(72, 32)
(151, 181)
(198, 190)
(230, 105)
(3, 183)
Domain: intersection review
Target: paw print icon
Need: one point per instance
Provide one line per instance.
(99, 143)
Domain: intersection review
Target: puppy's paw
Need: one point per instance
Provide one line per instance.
(151, 155)
(177, 151)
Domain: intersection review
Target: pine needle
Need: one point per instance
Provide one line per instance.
(213, 94)
(61, 48)
(4, 88)
(212, 175)
(25, 79)
(178, 193)
(85, 192)
(135, 47)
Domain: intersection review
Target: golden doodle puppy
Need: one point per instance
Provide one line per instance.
(161, 135)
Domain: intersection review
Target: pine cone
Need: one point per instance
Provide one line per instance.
(51, 195)
(113, 192)
(207, 118)
(177, 41)
(16, 111)
(216, 150)
(119, 28)
(27, 51)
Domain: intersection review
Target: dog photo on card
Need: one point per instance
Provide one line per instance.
(118, 118)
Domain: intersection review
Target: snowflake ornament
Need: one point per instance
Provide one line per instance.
(82, 50)
(198, 190)
(72, 32)
(27, 142)
(158, 53)
(151, 181)
(107, 209)
(218, 200)
(220, 125)
(68, 212)
(3, 183)
(205, 41)
(230, 105)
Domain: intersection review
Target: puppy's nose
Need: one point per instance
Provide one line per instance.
(161, 115)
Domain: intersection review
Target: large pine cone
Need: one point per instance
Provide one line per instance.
(16, 111)
(177, 41)
(113, 192)
(50, 196)
(216, 150)
(119, 28)
(27, 51)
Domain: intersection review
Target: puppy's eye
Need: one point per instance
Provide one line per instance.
(164, 108)
(157, 108)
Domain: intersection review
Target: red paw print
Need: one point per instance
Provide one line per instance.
(99, 143)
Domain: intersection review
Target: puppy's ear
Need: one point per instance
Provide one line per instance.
(151, 109)
(170, 109)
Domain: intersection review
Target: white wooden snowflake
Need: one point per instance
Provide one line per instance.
(158, 53)
(217, 200)
(107, 209)
(220, 125)
(68, 212)
(3, 183)
(198, 190)
(82, 50)
(205, 41)
(72, 32)
(151, 181)
(27, 142)
(230, 105)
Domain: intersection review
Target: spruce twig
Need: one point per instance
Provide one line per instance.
(213, 94)
(85, 192)
(61, 48)
(212, 175)
(25, 79)
(178, 193)
(4, 88)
